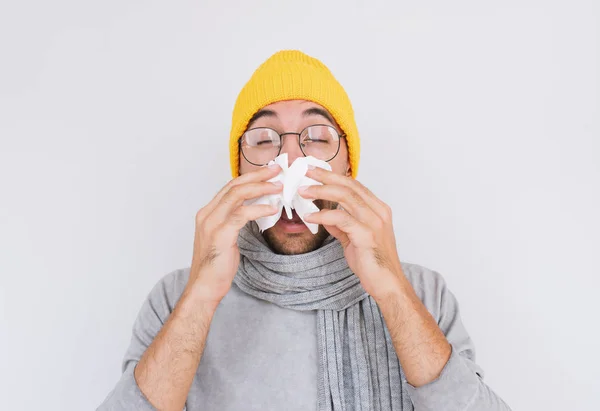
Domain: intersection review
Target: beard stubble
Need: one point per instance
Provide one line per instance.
(299, 243)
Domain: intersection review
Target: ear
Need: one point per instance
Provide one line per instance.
(349, 171)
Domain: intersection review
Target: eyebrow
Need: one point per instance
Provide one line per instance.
(315, 111)
(260, 114)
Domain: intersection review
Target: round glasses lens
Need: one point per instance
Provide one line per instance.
(321, 142)
(260, 145)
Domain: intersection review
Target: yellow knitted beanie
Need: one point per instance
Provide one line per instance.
(293, 75)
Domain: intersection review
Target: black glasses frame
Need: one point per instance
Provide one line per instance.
(340, 136)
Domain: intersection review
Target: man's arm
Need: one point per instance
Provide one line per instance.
(165, 349)
(436, 365)
(421, 346)
(436, 354)
(167, 368)
(168, 344)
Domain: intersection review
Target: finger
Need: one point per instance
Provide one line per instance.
(240, 217)
(349, 199)
(235, 197)
(354, 229)
(329, 177)
(262, 174)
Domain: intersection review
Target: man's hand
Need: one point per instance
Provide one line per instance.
(167, 368)
(363, 227)
(216, 255)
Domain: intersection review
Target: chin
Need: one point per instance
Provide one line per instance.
(294, 243)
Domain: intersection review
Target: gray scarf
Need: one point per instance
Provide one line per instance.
(358, 367)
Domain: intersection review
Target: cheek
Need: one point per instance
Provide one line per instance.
(339, 164)
(246, 167)
(243, 167)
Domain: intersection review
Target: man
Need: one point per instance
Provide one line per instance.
(291, 320)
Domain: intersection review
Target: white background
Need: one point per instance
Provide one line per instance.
(480, 126)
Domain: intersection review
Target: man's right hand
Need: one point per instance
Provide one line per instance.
(216, 255)
(166, 370)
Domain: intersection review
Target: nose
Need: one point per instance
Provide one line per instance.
(289, 145)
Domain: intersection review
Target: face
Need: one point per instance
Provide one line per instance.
(293, 116)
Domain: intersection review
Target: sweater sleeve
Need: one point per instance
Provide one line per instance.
(126, 395)
(460, 385)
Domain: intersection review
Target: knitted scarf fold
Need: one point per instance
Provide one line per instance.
(358, 366)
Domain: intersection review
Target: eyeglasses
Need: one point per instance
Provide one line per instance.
(262, 144)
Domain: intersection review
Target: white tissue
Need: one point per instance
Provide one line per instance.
(292, 178)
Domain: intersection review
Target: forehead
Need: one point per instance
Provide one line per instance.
(291, 111)
(291, 105)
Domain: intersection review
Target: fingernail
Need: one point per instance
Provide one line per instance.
(302, 189)
(311, 167)
(274, 165)
(277, 183)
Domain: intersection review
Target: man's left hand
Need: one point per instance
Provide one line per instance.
(363, 227)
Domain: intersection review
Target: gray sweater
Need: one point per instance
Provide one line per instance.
(259, 356)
